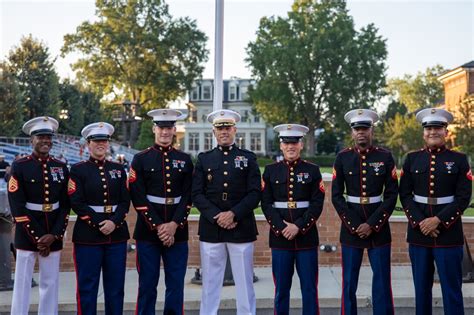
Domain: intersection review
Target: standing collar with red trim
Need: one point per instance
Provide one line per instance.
(40, 159)
(96, 161)
(436, 150)
(162, 148)
(363, 151)
(227, 147)
(292, 163)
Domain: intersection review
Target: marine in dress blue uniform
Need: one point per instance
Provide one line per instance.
(99, 196)
(364, 194)
(226, 190)
(435, 189)
(292, 201)
(37, 192)
(160, 185)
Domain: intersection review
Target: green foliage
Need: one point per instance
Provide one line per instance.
(312, 66)
(464, 126)
(419, 91)
(11, 104)
(146, 138)
(32, 68)
(401, 134)
(137, 51)
(322, 160)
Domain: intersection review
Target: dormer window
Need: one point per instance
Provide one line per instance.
(195, 93)
(232, 91)
(206, 91)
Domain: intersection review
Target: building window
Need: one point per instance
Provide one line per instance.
(207, 92)
(245, 116)
(240, 140)
(232, 92)
(207, 141)
(193, 116)
(256, 118)
(195, 93)
(255, 142)
(243, 93)
(193, 141)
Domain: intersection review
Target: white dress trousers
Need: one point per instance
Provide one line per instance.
(48, 282)
(213, 262)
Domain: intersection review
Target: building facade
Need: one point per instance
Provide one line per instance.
(252, 131)
(458, 83)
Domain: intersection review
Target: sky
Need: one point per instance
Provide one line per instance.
(419, 34)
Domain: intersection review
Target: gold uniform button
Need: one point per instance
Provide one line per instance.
(101, 167)
(105, 186)
(364, 179)
(364, 164)
(291, 168)
(168, 182)
(433, 162)
(433, 156)
(290, 192)
(46, 185)
(432, 176)
(225, 162)
(46, 199)
(46, 192)
(291, 186)
(431, 191)
(46, 178)
(350, 173)
(102, 173)
(290, 199)
(292, 173)
(431, 184)
(432, 169)
(167, 167)
(167, 160)
(168, 190)
(292, 179)
(45, 171)
(364, 186)
(364, 193)
(225, 185)
(168, 175)
(364, 157)
(364, 172)
(225, 173)
(226, 153)
(105, 200)
(166, 154)
(103, 179)
(105, 193)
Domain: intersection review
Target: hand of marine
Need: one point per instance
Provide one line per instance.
(364, 230)
(290, 231)
(428, 225)
(107, 227)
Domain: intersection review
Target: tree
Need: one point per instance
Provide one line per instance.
(147, 137)
(313, 66)
(464, 125)
(32, 68)
(11, 104)
(401, 134)
(137, 51)
(420, 91)
(83, 107)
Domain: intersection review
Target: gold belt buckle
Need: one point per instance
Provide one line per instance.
(224, 196)
(291, 204)
(432, 201)
(169, 201)
(108, 209)
(47, 207)
(364, 200)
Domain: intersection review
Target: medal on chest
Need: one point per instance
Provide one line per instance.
(376, 166)
(240, 161)
(56, 173)
(114, 174)
(301, 177)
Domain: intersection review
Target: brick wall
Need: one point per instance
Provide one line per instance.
(328, 225)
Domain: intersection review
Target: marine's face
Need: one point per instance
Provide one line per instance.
(164, 135)
(98, 148)
(225, 135)
(362, 136)
(435, 136)
(291, 150)
(42, 144)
